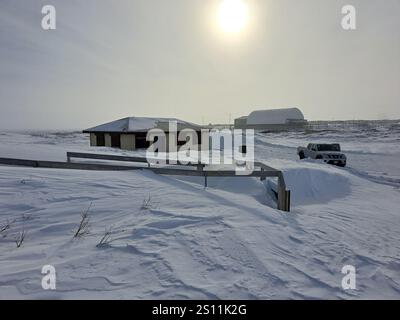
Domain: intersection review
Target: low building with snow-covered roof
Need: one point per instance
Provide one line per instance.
(130, 133)
(272, 120)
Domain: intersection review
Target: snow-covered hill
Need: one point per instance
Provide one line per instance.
(171, 238)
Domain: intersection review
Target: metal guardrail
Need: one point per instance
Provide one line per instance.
(283, 195)
(265, 171)
(110, 157)
(64, 165)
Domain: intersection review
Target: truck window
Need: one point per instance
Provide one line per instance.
(328, 147)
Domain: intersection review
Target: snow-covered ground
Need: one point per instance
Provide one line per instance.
(171, 238)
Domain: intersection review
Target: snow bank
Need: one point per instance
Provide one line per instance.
(316, 185)
(310, 185)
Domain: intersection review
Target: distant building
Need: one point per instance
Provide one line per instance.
(130, 133)
(272, 120)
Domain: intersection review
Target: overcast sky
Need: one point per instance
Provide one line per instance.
(109, 59)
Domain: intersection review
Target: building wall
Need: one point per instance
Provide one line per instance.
(107, 137)
(274, 127)
(240, 123)
(128, 142)
(131, 141)
(274, 116)
(93, 140)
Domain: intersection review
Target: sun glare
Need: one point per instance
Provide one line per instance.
(232, 15)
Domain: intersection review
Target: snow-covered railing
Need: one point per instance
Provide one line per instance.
(283, 195)
(110, 157)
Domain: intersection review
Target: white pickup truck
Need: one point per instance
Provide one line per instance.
(329, 153)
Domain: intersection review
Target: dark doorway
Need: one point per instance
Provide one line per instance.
(115, 140)
(140, 141)
(100, 140)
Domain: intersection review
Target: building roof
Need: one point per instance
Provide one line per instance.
(242, 118)
(139, 124)
(274, 116)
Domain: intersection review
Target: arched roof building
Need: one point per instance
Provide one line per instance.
(272, 119)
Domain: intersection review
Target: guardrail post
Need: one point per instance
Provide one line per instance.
(283, 195)
(263, 178)
(287, 209)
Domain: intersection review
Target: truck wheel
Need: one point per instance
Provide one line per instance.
(301, 155)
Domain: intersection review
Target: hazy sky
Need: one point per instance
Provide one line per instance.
(109, 59)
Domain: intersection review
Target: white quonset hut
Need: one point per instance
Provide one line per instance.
(272, 120)
(130, 133)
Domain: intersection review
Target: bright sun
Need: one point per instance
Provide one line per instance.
(232, 15)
